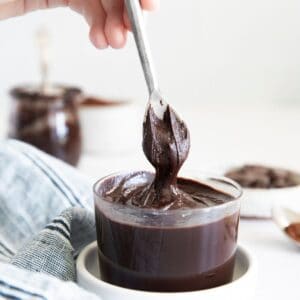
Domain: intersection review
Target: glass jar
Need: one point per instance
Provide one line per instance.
(161, 250)
(47, 120)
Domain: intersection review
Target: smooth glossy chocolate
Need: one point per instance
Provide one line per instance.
(166, 144)
(187, 193)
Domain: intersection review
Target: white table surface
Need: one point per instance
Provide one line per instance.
(222, 135)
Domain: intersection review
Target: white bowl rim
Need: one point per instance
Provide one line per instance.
(228, 167)
(257, 203)
(80, 264)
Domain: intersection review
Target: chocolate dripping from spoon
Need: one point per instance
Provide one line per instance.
(166, 140)
(166, 144)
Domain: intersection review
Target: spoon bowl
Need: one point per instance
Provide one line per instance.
(284, 217)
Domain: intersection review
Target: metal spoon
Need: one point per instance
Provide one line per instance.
(166, 139)
(138, 28)
(283, 217)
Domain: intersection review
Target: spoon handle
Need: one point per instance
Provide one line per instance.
(138, 28)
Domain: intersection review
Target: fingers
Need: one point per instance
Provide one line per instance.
(97, 34)
(115, 29)
(117, 21)
(146, 5)
(56, 3)
(126, 20)
(108, 20)
(95, 16)
(10, 9)
(98, 37)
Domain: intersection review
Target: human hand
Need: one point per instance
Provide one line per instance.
(107, 19)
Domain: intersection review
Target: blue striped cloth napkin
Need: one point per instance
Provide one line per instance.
(46, 218)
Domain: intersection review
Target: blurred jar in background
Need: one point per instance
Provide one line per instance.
(47, 120)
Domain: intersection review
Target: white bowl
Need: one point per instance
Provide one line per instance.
(258, 202)
(110, 129)
(242, 286)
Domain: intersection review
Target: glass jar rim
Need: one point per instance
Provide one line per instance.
(57, 92)
(156, 212)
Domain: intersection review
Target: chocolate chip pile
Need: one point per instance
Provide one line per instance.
(256, 176)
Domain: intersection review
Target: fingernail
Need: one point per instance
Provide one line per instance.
(101, 41)
(119, 38)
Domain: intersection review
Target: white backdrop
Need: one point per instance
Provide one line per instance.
(215, 59)
(205, 50)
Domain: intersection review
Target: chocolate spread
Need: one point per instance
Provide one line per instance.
(166, 144)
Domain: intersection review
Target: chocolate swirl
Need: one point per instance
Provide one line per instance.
(166, 144)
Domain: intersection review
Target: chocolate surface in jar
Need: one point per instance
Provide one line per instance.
(47, 120)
